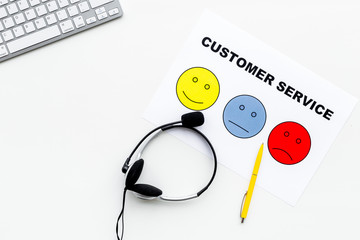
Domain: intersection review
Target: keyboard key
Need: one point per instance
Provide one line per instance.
(41, 10)
(52, 6)
(30, 14)
(63, 3)
(34, 38)
(97, 3)
(12, 8)
(1, 27)
(90, 20)
(7, 35)
(3, 2)
(83, 6)
(66, 26)
(34, 2)
(113, 11)
(61, 15)
(100, 10)
(8, 22)
(22, 4)
(3, 51)
(79, 22)
(3, 12)
(19, 18)
(72, 11)
(40, 23)
(18, 31)
(50, 19)
(102, 16)
(29, 27)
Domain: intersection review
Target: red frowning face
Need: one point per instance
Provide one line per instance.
(289, 143)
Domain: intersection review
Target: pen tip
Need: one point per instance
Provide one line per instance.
(242, 220)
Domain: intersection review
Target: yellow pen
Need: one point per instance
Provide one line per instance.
(249, 193)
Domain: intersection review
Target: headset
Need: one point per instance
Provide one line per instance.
(133, 171)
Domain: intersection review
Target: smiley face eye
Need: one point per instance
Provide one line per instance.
(207, 86)
(241, 107)
(298, 140)
(286, 134)
(253, 114)
(195, 79)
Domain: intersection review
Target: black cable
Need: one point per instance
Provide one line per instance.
(121, 215)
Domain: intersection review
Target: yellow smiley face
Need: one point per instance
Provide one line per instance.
(197, 88)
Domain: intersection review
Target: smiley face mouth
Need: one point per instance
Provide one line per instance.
(284, 152)
(191, 99)
(239, 126)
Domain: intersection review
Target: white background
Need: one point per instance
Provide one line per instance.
(71, 112)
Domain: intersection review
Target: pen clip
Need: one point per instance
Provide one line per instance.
(242, 204)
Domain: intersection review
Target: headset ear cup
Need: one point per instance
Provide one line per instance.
(134, 173)
(146, 190)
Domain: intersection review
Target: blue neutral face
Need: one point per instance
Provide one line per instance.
(244, 116)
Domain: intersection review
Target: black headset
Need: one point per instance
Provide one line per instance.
(133, 171)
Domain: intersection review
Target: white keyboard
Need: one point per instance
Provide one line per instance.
(28, 24)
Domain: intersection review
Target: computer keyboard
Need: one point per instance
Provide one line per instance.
(28, 24)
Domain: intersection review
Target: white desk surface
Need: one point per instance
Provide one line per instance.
(71, 112)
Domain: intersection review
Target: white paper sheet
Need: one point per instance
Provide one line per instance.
(263, 97)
